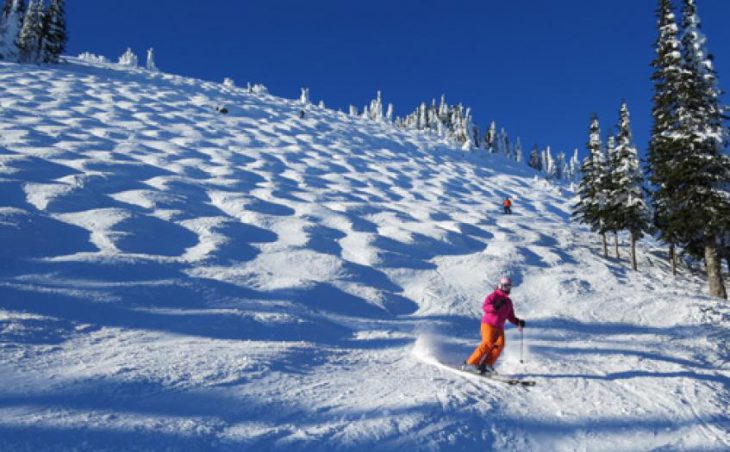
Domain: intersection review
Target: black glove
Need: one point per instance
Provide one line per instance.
(520, 323)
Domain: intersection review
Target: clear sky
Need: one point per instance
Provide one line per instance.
(539, 68)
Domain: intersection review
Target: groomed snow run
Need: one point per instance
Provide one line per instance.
(175, 278)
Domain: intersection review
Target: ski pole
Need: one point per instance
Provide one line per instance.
(522, 346)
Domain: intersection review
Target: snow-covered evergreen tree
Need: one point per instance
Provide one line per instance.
(628, 207)
(11, 22)
(590, 209)
(664, 144)
(560, 165)
(475, 137)
(375, 110)
(535, 161)
(518, 151)
(304, 97)
(612, 218)
(151, 65)
(30, 40)
(128, 59)
(702, 168)
(54, 36)
(229, 83)
(503, 146)
(574, 165)
(389, 113)
(490, 138)
(353, 111)
(548, 163)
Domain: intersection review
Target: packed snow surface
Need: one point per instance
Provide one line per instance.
(175, 278)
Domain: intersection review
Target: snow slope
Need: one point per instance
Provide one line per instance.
(173, 278)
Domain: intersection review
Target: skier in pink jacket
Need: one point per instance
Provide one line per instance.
(497, 310)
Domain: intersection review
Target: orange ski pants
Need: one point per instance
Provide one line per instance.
(490, 348)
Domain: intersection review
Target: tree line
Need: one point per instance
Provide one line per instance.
(687, 165)
(455, 123)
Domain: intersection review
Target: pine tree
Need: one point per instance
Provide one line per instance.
(30, 41)
(612, 216)
(534, 161)
(490, 138)
(627, 199)
(701, 169)
(664, 144)
(11, 22)
(560, 172)
(518, 151)
(375, 111)
(589, 209)
(548, 164)
(475, 138)
(574, 165)
(54, 32)
(304, 97)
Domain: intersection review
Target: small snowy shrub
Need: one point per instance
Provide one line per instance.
(128, 59)
(92, 58)
(228, 83)
(257, 88)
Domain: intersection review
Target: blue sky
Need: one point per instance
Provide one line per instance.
(539, 68)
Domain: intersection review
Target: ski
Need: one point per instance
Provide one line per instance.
(495, 377)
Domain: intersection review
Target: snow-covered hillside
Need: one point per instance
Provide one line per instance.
(176, 278)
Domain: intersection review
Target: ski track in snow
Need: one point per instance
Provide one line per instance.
(174, 278)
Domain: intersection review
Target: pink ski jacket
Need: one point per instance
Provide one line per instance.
(498, 309)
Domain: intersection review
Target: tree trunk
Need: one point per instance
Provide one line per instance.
(714, 273)
(615, 236)
(673, 257)
(633, 252)
(605, 245)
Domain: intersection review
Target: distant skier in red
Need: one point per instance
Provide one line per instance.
(507, 205)
(497, 310)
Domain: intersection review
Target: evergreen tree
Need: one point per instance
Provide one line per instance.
(560, 165)
(534, 161)
(54, 32)
(475, 138)
(589, 209)
(663, 143)
(627, 199)
(612, 216)
(701, 169)
(548, 164)
(375, 111)
(30, 41)
(518, 151)
(490, 138)
(574, 165)
(304, 97)
(11, 22)
(504, 146)
(152, 66)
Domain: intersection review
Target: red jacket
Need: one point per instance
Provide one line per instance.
(498, 309)
(507, 203)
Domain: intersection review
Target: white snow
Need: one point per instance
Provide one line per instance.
(174, 278)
